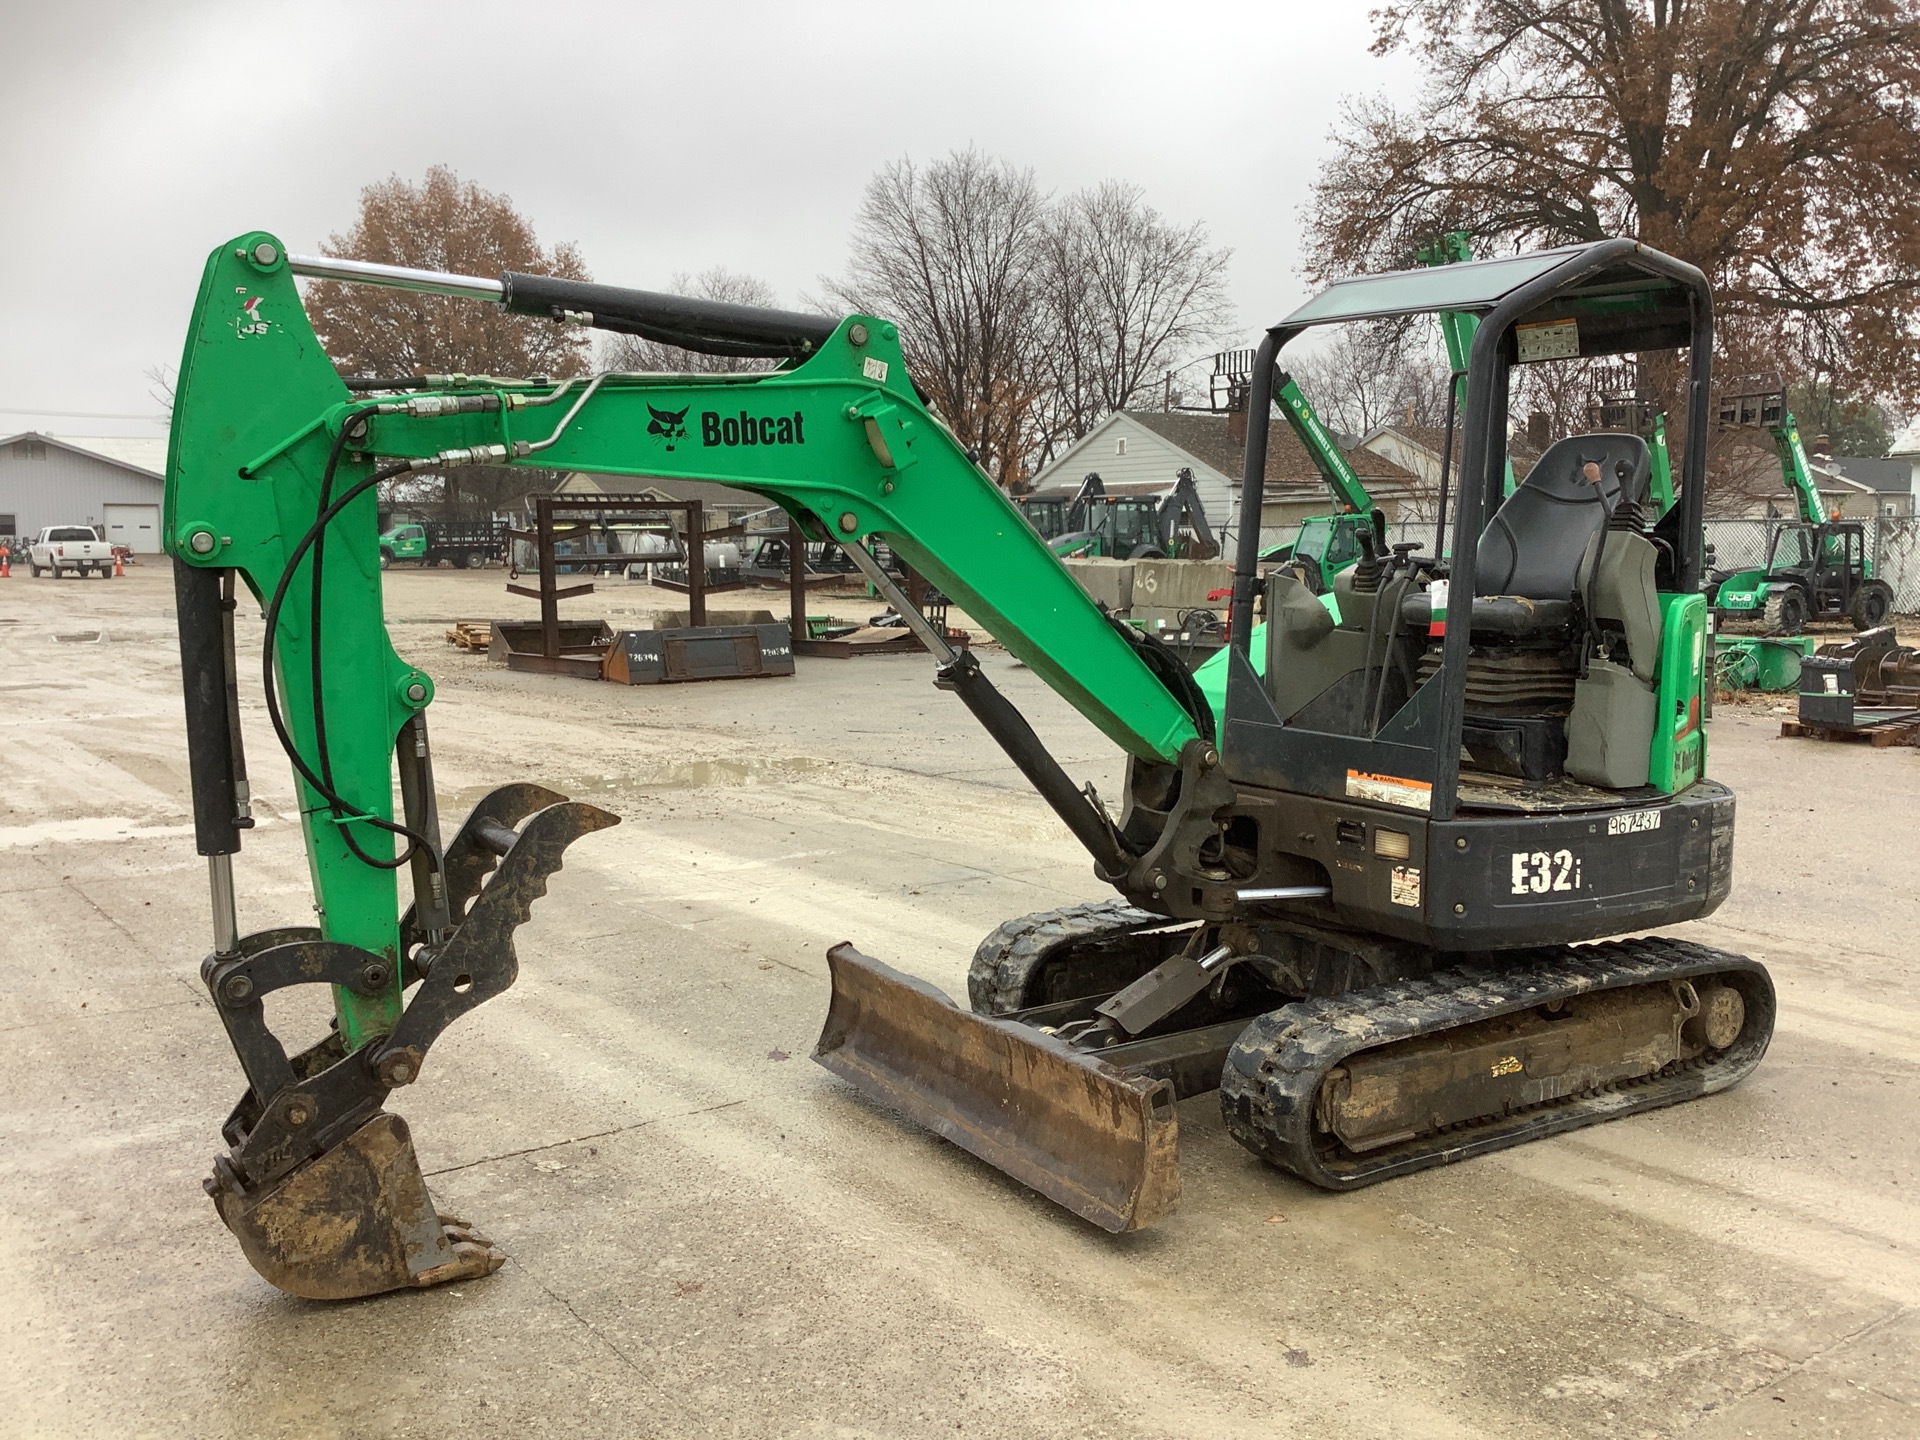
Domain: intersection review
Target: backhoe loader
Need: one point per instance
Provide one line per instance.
(1347, 900)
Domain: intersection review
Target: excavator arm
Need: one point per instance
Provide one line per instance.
(272, 481)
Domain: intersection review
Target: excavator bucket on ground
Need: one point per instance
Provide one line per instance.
(1091, 1137)
(357, 1221)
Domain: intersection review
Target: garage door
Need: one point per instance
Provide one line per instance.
(135, 526)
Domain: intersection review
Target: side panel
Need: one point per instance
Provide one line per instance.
(1503, 881)
(1679, 753)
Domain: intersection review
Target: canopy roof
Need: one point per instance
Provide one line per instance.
(1473, 285)
(1623, 295)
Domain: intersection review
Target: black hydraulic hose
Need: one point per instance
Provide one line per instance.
(385, 382)
(323, 754)
(339, 806)
(316, 612)
(1171, 672)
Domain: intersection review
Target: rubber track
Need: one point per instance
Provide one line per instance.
(1275, 1069)
(1005, 961)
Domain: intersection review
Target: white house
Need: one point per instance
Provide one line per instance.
(1151, 447)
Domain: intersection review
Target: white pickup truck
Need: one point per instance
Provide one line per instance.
(61, 548)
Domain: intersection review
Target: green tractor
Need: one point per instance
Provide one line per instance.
(1817, 567)
(1157, 525)
(1060, 510)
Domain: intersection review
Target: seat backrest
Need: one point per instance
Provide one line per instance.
(1534, 542)
(1621, 592)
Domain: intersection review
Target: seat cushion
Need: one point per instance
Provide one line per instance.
(1507, 617)
(1534, 542)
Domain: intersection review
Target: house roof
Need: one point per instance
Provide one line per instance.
(145, 454)
(1432, 438)
(1206, 437)
(1889, 477)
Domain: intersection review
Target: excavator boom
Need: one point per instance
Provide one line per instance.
(271, 485)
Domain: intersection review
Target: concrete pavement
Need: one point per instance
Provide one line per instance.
(709, 1235)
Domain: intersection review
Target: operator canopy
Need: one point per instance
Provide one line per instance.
(1628, 298)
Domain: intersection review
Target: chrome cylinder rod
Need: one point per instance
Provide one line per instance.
(877, 576)
(1285, 892)
(226, 923)
(397, 277)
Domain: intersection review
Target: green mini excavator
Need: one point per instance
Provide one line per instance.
(1348, 899)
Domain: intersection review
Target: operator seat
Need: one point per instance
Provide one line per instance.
(1528, 562)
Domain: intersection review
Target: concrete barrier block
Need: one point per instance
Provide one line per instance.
(1179, 584)
(1109, 582)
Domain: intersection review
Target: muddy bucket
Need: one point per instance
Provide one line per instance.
(356, 1221)
(1095, 1139)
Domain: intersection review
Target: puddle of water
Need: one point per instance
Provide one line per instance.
(89, 829)
(80, 637)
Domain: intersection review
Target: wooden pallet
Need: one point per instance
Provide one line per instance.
(1890, 732)
(471, 635)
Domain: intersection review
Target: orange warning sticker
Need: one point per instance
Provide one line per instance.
(1389, 790)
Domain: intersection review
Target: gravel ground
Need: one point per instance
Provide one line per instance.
(709, 1235)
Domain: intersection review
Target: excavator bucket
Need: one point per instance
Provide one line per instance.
(355, 1221)
(1095, 1139)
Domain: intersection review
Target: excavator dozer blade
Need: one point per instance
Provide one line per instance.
(355, 1221)
(1093, 1138)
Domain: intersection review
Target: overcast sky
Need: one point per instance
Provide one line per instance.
(659, 137)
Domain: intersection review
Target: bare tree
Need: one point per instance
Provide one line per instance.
(1367, 376)
(1774, 143)
(951, 251)
(632, 352)
(161, 382)
(445, 224)
(1126, 295)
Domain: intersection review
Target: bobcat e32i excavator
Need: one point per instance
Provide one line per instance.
(1347, 901)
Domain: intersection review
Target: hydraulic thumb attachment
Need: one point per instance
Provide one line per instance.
(321, 1187)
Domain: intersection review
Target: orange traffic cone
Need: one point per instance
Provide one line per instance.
(6, 571)
(119, 570)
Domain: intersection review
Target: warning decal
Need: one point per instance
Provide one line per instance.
(1389, 790)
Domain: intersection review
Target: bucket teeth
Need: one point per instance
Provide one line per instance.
(1101, 1142)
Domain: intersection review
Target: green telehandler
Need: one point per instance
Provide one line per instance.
(1347, 900)
(1818, 567)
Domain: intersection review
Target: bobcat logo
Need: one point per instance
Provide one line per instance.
(669, 425)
